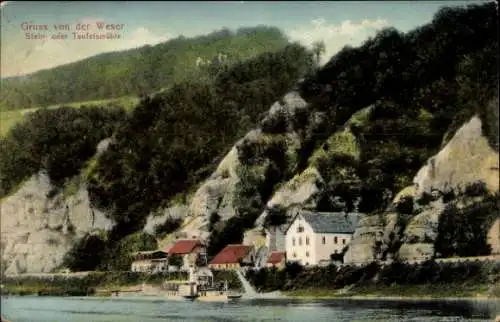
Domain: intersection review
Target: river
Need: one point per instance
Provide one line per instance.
(149, 309)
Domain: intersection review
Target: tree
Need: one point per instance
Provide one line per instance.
(213, 220)
(318, 48)
(175, 260)
(86, 254)
(276, 216)
(170, 225)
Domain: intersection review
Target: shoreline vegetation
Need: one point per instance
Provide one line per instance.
(385, 293)
(447, 292)
(429, 279)
(396, 281)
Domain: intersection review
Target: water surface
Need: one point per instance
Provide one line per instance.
(153, 309)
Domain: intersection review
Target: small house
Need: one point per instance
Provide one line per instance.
(190, 252)
(149, 261)
(315, 237)
(233, 257)
(276, 259)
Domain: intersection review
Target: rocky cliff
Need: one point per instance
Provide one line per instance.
(217, 193)
(466, 159)
(38, 227)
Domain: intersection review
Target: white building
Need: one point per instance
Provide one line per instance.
(313, 237)
(149, 262)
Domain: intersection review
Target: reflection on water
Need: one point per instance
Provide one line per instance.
(37, 309)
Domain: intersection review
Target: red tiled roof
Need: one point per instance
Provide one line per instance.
(231, 254)
(184, 246)
(276, 257)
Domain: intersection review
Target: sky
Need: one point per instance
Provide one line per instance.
(336, 23)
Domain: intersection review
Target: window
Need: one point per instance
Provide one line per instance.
(343, 241)
(307, 254)
(293, 241)
(323, 240)
(300, 241)
(294, 255)
(307, 240)
(300, 229)
(335, 240)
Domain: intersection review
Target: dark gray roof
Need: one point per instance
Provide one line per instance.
(331, 222)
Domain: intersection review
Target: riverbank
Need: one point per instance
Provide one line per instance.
(101, 283)
(406, 292)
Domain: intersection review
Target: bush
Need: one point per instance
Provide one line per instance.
(58, 141)
(476, 189)
(213, 220)
(276, 216)
(425, 199)
(86, 254)
(169, 226)
(175, 260)
(463, 232)
(405, 206)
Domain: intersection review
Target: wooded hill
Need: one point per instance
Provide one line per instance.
(138, 71)
(421, 86)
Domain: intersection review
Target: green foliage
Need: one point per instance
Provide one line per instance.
(263, 166)
(169, 226)
(405, 205)
(476, 189)
(179, 134)
(118, 253)
(318, 48)
(421, 86)
(58, 141)
(425, 199)
(221, 276)
(86, 254)
(142, 70)
(175, 260)
(463, 231)
(276, 216)
(373, 274)
(81, 286)
(449, 196)
(231, 233)
(213, 220)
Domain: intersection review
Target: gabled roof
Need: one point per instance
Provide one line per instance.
(329, 222)
(184, 246)
(276, 257)
(231, 254)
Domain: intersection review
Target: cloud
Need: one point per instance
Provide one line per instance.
(348, 32)
(27, 56)
(143, 36)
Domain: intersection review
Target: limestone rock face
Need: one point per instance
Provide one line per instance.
(421, 232)
(304, 188)
(301, 190)
(467, 158)
(254, 237)
(289, 105)
(371, 238)
(174, 212)
(217, 193)
(37, 231)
